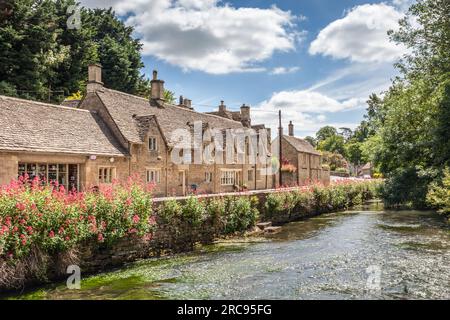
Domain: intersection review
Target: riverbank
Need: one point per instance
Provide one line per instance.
(168, 227)
(323, 257)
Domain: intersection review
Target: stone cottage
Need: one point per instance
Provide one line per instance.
(113, 135)
(300, 163)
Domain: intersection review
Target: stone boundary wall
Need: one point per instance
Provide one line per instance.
(167, 239)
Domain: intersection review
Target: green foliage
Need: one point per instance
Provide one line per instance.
(318, 198)
(438, 195)
(334, 160)
(193, 211)
(240, 214)
(42, 59)
(47, 218)
(232, 214)
(326, 132)
(311, 140)
(334, 144)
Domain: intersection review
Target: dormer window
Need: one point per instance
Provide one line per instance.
(152, 144)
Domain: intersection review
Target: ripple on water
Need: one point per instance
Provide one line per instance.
(325, 257)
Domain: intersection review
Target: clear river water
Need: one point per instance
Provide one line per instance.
(367, 253)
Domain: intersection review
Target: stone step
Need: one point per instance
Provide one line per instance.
(272, 230)
(264, 225)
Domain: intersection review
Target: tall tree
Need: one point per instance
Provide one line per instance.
(411, 143)
(42, 57)
(325, 132)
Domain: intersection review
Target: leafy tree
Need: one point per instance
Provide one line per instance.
(425, 30)
(354, 153)
(43, 59)
(410, 135)
(311, 140)
(334, 160)
(347, 133)
(325, 132)
(333, 144)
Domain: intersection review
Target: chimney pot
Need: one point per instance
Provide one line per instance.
(187, 103)
(222, 107)
(291, 129)
(155, 74)
(245, 115)
(181, 101)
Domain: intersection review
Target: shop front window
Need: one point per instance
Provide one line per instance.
(66, 175)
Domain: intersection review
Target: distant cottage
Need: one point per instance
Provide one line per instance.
(300, 163)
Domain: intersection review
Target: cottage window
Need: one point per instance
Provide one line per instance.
(153, 176)
(106, 174)
(250, 175)
(152, 144)
(228, 178)
(65, 174)
(208, 177)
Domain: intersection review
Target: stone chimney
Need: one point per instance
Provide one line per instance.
(187, 103)
(222, 107)
(291, 129)
(157, 87)
(94, 78)
(245, 116)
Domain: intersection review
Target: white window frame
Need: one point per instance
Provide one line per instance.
(153, 175)
(228, 177)
(106, 174)
(153, 144)
(208, 177)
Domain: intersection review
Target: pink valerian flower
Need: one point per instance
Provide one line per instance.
(136, 219)
(100, 237)
(23, 239)
(147, 237)
(51, 234)
(133, 230)
(21, 206)
(129, 201)
(152, 220)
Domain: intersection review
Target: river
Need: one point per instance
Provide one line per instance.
(361, 254)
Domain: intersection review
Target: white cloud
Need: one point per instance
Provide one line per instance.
(305, 108)
(361, 35)
(284, 70)
(308, 101)
(207, 35)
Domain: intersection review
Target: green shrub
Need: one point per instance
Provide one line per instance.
(240, 214)
(51, 220)
(438, 195)
(193, 211)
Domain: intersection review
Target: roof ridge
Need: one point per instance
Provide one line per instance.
(2, 97)
(171, 105)
(125, 94)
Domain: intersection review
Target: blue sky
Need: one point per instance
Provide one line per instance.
(316, 60)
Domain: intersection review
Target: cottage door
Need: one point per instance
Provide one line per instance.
(182, 181)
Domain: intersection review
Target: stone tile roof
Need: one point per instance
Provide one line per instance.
(301, 145)
(71, 103)
(33, 126)
(125, 107)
